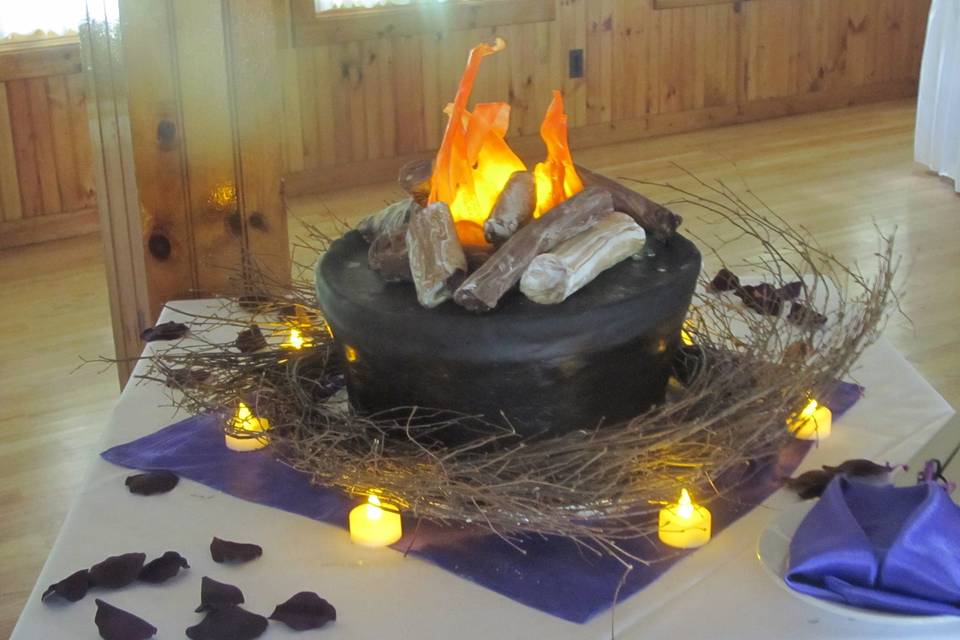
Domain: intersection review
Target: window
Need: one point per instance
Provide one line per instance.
(20, 19)
(327, 5)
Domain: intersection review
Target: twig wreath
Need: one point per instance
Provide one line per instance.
(743, 373)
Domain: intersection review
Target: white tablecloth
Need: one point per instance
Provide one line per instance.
(718, 592)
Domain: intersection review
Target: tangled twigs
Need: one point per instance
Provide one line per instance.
(598, 486)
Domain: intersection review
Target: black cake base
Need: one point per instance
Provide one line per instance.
(602, 356)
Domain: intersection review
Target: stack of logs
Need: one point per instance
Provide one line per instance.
(551, 257)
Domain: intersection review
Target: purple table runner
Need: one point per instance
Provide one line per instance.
(554, 575)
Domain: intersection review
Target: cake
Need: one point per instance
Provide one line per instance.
(546, 300)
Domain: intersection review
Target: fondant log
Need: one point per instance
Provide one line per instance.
(414, 178)
(513, 209)
(388, 255)
(657, 220)
(387, 219)
(553, 277)
(484, 288)
(437, 262)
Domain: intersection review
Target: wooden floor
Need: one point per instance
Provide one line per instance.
(837, 173)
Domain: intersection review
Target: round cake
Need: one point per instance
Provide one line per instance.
(602, 356)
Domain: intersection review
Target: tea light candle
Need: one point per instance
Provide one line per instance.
(246, 422)
(372, 525)
(684, 525)
(813, 423)
(296, 340)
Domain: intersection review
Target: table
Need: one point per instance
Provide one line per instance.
(720, 591)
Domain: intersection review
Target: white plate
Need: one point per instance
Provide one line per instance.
(773, 551)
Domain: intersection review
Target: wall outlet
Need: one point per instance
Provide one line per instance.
(576, 63)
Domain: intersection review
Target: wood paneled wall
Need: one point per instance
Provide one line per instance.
(46, 178)
(354, 109)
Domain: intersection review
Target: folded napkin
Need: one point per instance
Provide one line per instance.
(888, 548)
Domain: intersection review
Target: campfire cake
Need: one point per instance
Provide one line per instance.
(547, 300)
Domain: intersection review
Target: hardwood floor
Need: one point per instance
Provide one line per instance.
(836, 172)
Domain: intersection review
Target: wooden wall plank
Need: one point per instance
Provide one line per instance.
(10, 207)
(67, 174)
(410, 119)
(572, 18)
(17, 233)
(18, 97)
(39, 58)
(43, 145)
(76, 84)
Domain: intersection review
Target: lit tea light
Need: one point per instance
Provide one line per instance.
(296, 340)
(374, 524)
(245, 426)
(684, 525)
(813, 423)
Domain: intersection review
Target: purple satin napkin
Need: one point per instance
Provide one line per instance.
(895, 549)
(553, 575)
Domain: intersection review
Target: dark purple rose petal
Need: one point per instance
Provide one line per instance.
(790, 290)
(804, 316)
(117, 571)
(163, 568)
(226, 551)
(860, 468)
(229, 623)
(762, 298)
(72, 588)
(165, 331)
(215, 595)
(725, 280)
(305, 610)
(810, 484)
(250, 340)
(152, 482)
(117, 624)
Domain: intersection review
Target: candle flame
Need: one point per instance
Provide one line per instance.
(685, 505)
(245, 420)
(374, 512)
(295, 340)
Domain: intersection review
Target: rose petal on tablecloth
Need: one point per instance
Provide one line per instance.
(227, 551)
(116, 624)
(725, 280)
(163, 568)
(214, 595)
(229, 623)
(117, 571)
(790, 290)
(152, 482)
(72, 588)
(805, 316)
(305, 610)
(165, 331)
(810, 484)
